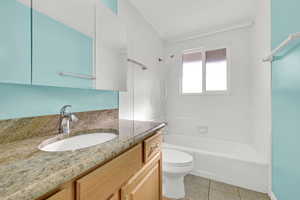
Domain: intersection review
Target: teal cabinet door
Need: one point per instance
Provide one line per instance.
(63, 43)
(15, 42)
(112, 4)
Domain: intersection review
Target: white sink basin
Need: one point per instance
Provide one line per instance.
(77, 142)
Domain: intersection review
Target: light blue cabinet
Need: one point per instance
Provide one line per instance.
(15, 42)
(63, 38)
(112, 4)
(63, 43)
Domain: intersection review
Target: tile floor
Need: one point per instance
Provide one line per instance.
(198, 188)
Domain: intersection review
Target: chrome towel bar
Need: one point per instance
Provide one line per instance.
(75, 75)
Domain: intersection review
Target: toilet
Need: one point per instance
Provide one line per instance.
(176, 164)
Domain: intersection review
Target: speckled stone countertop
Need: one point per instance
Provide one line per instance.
(27, 173)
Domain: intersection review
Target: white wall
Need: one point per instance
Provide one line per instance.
(261, 80)
(242, 116)
(145, 88)
(227, 117)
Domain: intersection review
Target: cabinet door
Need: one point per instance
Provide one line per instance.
(15, 41)
(111, 50)
(63, 43)
(107, 179)
(146, 184)
(116, 196)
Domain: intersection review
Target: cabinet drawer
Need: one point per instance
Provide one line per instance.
(65, 194)
(106, 180)
(152, 146)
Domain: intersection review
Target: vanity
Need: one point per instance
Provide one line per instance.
(133, 175)
(128, 167)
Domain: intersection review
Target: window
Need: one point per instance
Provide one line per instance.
(204, 71)
(192, 73)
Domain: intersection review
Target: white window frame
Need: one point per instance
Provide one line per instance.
(203, 52)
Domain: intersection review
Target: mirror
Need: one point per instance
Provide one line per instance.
(15, 42)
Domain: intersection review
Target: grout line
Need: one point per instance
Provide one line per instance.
(209, 189)
(239, 193)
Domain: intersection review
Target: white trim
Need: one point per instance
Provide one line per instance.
(204, 92)
(272, 196)
(198, 35)
(271, 140)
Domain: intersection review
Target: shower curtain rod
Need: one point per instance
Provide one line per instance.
(144, 67)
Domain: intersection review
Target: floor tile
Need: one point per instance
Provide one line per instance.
(191, 179)
(223, 187)
(252, 195)
(196, 193)
(219, 195)
(198, 188)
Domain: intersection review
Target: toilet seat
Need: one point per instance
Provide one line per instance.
(176, 158)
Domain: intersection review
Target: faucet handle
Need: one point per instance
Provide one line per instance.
(64, 108)
(74, 118)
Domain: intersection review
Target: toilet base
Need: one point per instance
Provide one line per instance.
(173, 187)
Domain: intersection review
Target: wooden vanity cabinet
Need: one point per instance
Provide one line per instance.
(146, 184)
(65, 192)
(108, 179)
(115, 196)
(152, 146)
(134, 175)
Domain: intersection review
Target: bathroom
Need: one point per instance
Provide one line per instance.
(149, 100)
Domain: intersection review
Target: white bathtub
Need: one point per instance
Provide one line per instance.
(233, 163)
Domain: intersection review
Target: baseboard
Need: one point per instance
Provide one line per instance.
(272, 196)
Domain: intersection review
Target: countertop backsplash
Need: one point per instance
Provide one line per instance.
(24, 128)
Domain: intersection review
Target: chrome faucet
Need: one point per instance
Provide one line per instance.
(65, 118)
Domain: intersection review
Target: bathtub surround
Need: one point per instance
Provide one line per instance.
(230, 162)
(23, 128)
(285, 103)
(240, 118)
(225, 117)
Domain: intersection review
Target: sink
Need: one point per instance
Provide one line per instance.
(76, 142)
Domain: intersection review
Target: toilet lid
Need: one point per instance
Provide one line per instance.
(177, 158)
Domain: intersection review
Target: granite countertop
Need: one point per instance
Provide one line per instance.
(27, 173)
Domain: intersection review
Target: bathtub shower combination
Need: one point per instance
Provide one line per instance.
(229, 162)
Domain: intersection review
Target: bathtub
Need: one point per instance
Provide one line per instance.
(229, 162)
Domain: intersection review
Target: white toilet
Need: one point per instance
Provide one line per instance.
(176, 164)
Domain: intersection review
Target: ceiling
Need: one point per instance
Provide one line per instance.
(174, 18)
